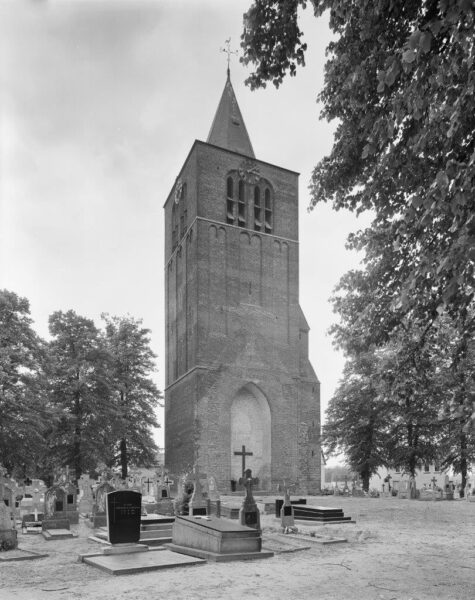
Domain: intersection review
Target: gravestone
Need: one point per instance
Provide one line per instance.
(287, 512)
(163, 485)
(181, 503)
(55, 509)
(249, 513)
(86, 498)
(134, 482)
(149, 486)
(198, 504)
(71, 507)
(123, 509)
(99, 514)
(214, 500)
(55, 524)
(33, 523)
(404, 489)
(7, 495)
(162, 490)
(8, 534)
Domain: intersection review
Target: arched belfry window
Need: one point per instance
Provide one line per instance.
(241, 204)
(257, 209)
(230, 201)
(267, 211)
(249, 202)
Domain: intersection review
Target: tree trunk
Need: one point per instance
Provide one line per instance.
(463, 462)
(123, 457)
(77, 449)
(365, 478)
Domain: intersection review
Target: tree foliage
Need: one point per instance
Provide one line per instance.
(356, 421)
(84, 398)
(400, 84)
(79, 381)
(134, 393)
(23, 410)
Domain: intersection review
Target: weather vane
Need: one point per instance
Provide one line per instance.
(228, 51)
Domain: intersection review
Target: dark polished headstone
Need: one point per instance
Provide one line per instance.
(123, 516)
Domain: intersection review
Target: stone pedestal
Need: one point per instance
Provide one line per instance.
(216, 539)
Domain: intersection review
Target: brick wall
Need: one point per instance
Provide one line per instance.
(234, 327)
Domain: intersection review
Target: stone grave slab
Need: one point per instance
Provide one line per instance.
(140, 562)
(216, 539)
(320, 514)
(281, 544)
(318, 539)
(58, 534)
(18, 554)
(279, 503)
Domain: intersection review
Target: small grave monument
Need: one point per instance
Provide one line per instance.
(8, 534)
(214, 500)
(198, 504)
(85, 499)
(99, 515)
(71, 507)
(163, 499)
(287, 519)
(216, 539)
(33, 523)
(55, 524)
(404, 489)
(249, 514)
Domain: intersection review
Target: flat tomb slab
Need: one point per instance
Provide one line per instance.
(153, 519)
(18, 554)
(218, 557)
(212, 534)
(319, 513)
(58, 534)
(125, 564)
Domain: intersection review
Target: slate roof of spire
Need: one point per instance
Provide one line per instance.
(228, 129)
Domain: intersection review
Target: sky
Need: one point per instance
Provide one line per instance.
(100, 103)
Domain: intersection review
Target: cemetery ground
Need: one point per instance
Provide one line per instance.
(397, 549)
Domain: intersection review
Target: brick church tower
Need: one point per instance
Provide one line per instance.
(237, 367)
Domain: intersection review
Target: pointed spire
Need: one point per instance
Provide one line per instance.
(228, 129)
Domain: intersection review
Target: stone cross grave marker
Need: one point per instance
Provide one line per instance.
(287, 511)
(124, 508)
(249, 514)
(243, 454)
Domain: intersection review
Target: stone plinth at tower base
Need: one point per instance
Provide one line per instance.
(216, 539)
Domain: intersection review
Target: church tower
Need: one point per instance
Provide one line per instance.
(238, 377)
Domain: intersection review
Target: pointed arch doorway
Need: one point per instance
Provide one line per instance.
(251, 429)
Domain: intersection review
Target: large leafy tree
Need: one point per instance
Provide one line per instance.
(79, 379)
(23, 409)
(357, 422)
(134, 392)
(400, 83)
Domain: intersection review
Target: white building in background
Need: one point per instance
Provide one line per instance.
(427, 476)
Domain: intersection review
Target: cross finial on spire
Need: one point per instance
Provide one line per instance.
(228, 51)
